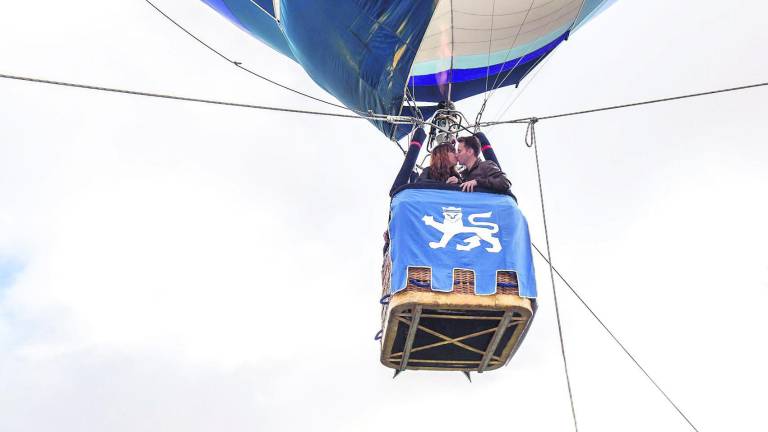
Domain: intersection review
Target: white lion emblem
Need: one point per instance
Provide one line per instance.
(453, 224)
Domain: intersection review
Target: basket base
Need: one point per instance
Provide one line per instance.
(453, 332)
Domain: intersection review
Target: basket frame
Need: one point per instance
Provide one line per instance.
(407, 308)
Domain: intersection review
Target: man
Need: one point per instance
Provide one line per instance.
(485, 174)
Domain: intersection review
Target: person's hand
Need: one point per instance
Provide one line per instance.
(469, 186)
(452, 180)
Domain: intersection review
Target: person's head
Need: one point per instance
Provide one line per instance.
(443, 162)
(468, 150)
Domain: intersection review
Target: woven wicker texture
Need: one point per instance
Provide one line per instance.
(419, 279)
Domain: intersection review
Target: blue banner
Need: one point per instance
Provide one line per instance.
(447, 230)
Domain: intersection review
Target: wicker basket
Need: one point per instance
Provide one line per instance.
(459, 330)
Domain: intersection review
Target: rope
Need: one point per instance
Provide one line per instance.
(488, 95)
(420, 284)
(488, 60)
(453, 49)
(183, 98)
(412, 102)
(543, 60)
(532, 133)
(509, 51)
(372, 116)
(628, 105)
(239, 64)
(538, 69)
(479, 115)
(494, 87)
(615, 339)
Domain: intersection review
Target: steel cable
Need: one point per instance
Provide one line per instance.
(615, 339)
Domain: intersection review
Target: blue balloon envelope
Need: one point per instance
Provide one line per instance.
(367, 53)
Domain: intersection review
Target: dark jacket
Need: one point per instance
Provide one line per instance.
(424, 176)
(488, 176)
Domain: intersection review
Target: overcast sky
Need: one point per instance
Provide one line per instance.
(168, 265)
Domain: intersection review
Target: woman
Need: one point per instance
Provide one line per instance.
(442, 166)
(441, 169)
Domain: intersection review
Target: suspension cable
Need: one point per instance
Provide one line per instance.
(411, 99)
(184, 98)
(494, 87)
(490, 44)
(372, 116)
(543, 60)
(534, 67)
(628, 105)
(488, 95)
(496, 81)
(271, 81)
(613, 336)
(240, 65)
(531, 142)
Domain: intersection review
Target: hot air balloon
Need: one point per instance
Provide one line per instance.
(458, 283)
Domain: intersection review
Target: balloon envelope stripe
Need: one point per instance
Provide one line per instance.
(461, 75)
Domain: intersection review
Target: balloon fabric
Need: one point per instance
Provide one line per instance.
(365, 53)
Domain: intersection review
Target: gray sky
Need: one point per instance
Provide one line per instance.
(177, 266)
